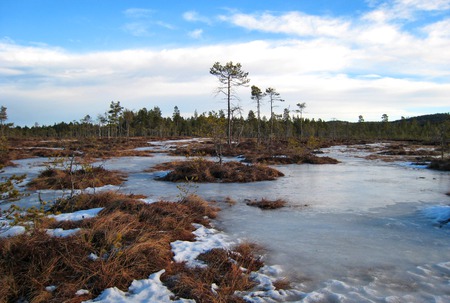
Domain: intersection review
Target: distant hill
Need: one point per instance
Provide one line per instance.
(434, 118)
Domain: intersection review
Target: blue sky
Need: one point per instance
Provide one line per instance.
(61, 60)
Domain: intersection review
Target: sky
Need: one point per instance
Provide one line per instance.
(61, 60)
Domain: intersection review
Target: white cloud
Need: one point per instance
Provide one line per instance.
(137, 29)
(196, 34)
(137, 13)
(290, 23)
(193, 16)
(407, 9)
(39, 79)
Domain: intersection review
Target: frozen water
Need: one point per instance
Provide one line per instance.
(358, 231)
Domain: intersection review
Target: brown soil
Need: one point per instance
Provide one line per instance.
(132, 240)
(79, 179)
(200, 170)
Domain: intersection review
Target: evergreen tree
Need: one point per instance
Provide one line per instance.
(230, 76)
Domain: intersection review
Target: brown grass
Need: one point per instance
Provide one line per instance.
(282, 284)
(131, 238)
(268, 204)
(87, 148)
(229, 270)
(52, 178)
(270, 153)
(200, 170)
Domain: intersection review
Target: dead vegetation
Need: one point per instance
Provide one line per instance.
(227, 271)
(290, 151)
(201, 170)
(128, 240)
(268, 204)
(87, 148)
(59, 179)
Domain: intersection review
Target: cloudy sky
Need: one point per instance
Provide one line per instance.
(61, 60)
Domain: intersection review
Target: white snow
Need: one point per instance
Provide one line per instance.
(11, 231)
(140, 291)
(206, 239)
(59, 232)
(78, 215)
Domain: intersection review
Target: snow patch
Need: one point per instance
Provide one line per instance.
(140, 291)
(62, 233)
(11, 231)
(78, 215)
(206, 239)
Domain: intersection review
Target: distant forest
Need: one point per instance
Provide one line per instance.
(120, 122)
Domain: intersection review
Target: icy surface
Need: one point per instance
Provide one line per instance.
(358, 231)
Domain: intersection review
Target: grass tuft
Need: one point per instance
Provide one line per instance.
(200, 170)
(268, 204)
(56, 179)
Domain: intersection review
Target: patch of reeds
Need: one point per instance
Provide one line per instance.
(129, 239)
(268, 204)
(201, 170)
(52, 178)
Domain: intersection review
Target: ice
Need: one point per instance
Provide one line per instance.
(59, 232)
(369, 231)
(438, 214)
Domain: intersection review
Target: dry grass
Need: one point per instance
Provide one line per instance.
(228, 270)
(131, 238)
(200, 170)
(282, 284)
(270, 153)
(268, 204)
(88, 148)
(55, 179)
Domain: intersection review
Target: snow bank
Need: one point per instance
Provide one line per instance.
(140, 291)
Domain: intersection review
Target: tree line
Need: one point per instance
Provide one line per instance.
(231, 124)
(120, 122)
